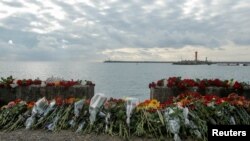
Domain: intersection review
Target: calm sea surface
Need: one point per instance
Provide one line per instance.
(120, 79)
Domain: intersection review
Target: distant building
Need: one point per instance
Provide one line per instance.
(193, 62)
(196, 56)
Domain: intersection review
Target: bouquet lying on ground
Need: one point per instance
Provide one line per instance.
(13, 115)
(181, 117)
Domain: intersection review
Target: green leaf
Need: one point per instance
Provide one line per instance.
(161, 117)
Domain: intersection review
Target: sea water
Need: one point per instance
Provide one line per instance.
(120, 80)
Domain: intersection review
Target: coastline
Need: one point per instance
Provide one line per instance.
(186, 62)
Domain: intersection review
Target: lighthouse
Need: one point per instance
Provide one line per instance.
(196, 56)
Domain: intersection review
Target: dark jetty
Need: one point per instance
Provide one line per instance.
(191, 62)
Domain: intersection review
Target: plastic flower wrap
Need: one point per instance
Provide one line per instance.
(50, 108)
(189, 123)
(95, 104)
(62, 116)
(14, 84)
(131, 103)
(78, 107)
(81, 115)
(40, 106)
(173, 122)
(77, 110)
(52, 126)
(51, 116)
(80, 127)
(37, 111)
(177, 118)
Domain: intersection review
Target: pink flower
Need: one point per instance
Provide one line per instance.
(11, 104)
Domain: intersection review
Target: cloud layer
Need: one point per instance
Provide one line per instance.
(126, 30)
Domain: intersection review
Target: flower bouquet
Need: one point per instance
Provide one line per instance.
(115, 118)
(13, 115)
(148, 120)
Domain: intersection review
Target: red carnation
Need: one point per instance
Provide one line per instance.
(237, 86)
(37, 82)
(59, 101)
(152, 85)
(19, 82)
(28, 82)
(160, 83)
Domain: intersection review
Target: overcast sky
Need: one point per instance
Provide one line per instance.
(96, 30)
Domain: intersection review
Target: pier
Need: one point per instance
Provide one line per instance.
(115, 61)
(221, 63)
(189, 62)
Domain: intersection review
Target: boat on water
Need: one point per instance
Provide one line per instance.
(233, 64)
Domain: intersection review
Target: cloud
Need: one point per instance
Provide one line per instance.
(10, 42)
(223, 53)
(96, 30)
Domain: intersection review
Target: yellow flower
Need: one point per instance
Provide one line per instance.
(154, 104)
(149, 104)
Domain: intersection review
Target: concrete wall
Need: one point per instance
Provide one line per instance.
(33, 93)
(163, 93)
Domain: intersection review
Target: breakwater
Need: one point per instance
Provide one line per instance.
(187, 62)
